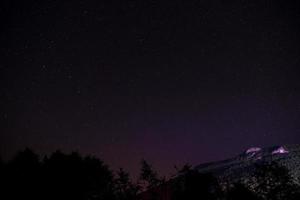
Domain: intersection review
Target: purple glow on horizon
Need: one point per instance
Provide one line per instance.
(253, 150)
(280, 150)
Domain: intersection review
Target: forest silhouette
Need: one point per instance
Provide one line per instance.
(72, 176)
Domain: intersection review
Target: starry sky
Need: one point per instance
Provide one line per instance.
(173, 82)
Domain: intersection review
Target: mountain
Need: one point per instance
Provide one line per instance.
(237, 169)
(241, 166)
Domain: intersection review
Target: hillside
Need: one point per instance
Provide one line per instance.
(239, 167)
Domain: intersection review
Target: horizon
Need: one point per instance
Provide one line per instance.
(171, 172)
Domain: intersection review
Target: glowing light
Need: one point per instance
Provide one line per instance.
(253, 150)
(280, 150)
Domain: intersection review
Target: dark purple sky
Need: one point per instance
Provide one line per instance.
(172, 82)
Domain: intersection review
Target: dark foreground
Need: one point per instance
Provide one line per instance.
(71, 176)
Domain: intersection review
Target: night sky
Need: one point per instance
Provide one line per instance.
(172, 82)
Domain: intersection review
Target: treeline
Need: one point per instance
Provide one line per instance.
(266, 182)
(72, 176)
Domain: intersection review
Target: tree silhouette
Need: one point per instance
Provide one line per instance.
(75, 177)
(149, 181)
(125, 189)
(23, 176)
(195, 185)
(64, 174)
(59, 176)
(148, 175)
(71, 176)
